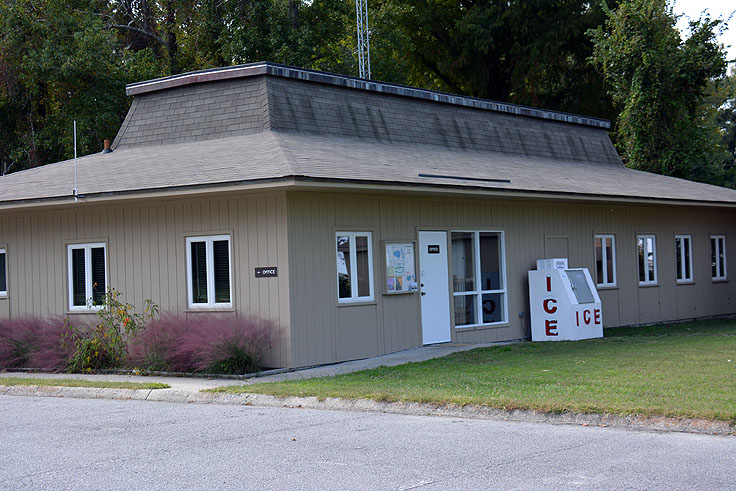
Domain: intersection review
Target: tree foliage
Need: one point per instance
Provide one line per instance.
(59, 64)
(666, 124)
(527, 52)
(65, 61)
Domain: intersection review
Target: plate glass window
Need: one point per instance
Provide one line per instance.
(605, 260)
(209, 275)
(684, 258)
(3, 274)
(646, 249)
(478, 278)
(354, 267)
(87, 265)
(718, 257)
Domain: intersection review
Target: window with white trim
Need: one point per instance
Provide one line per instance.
(684, 258)
(605, 259)
(354, 267)
(3, 273)
(87, 267)
(718, 257)
(209, 271)
(479, 278)
(646, 250)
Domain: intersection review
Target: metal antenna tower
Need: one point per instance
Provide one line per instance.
(364, 44)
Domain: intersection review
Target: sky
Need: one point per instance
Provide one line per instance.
(722, 9)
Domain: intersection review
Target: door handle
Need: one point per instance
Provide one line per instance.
(424, 293)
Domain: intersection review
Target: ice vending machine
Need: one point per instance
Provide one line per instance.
(564, 303)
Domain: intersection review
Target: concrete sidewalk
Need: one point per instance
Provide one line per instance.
(196, 384)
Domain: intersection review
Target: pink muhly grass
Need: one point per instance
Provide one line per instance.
(209, 343)
(34, 343)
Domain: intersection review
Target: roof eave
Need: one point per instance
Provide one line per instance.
(330, 184)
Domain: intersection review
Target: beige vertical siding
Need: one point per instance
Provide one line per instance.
(146, 255)
(322, 331)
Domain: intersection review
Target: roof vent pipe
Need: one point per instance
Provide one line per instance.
(106, 148)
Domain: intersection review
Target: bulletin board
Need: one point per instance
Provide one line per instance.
(400, 267)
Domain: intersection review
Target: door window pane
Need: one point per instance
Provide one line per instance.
(463, 255)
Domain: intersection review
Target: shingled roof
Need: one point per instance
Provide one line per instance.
(246, 125)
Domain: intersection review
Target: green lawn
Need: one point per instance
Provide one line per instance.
(685, 370)
(70, 382)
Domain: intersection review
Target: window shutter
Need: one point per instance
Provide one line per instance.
(79, 295)
(221, 255)
(98, 276)
(199, 272)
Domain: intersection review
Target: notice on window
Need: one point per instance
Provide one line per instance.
(400, 268)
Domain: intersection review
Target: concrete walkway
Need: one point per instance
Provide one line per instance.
(195, 384)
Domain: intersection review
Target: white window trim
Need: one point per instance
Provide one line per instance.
(88, 287)
(477, 272)
(209, 252)
(604, 258)
(720, 275)
(4, 293)
(354, 298)
(683, 269)
(644, 237)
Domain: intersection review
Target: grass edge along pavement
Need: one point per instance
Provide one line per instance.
(64, 382)
(685, 370)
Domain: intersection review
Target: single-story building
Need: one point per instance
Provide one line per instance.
(359, 217)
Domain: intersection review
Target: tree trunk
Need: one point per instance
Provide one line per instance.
(171, 44)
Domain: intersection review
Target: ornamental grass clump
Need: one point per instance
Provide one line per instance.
(205, 343)
(33, 343)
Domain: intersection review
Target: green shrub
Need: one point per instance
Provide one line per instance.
(105, 345)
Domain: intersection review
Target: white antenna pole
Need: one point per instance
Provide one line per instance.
(364, 49)
(76, 194)
(367, 40)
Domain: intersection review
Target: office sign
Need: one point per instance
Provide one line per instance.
(267, 272)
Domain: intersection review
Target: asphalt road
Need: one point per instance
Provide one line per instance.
(50, 443)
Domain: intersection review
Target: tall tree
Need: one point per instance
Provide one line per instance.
(58, 63)
(661, 82)
(528, 52)
(293, 32)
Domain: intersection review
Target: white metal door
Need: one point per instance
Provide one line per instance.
(433, 285)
